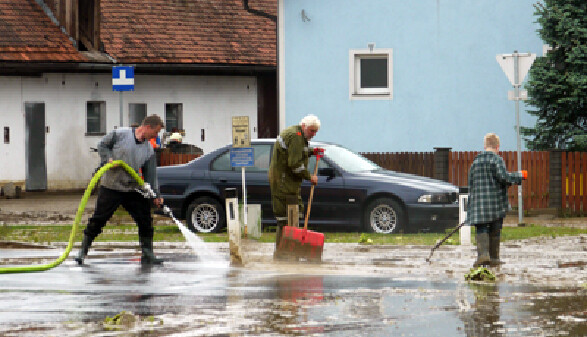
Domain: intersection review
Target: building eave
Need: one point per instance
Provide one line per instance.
(40, 68)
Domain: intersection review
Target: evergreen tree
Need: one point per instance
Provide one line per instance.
(557, 85)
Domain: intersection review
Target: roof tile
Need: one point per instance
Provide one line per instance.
(27, 34)
(198, 31)
(149, 31)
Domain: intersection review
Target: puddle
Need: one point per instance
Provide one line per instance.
(190, 297)
(355, 291)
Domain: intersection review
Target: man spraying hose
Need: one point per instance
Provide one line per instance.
(132, 146)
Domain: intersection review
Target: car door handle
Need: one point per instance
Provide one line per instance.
(222, 180)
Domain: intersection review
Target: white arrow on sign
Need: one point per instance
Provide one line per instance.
(123, 80)
(506, 61)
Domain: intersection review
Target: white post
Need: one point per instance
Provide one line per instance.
(464, 231)
(234, 226)
(244, 197)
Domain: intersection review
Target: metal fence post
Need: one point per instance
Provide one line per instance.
(441, 163)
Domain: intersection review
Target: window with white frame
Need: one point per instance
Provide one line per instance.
(173, 116)
(95, 118)
(370, 74)
(136, 113)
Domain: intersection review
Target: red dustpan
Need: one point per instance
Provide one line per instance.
(300, 242)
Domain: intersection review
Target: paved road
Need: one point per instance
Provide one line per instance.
(381, 290)
(345, 296)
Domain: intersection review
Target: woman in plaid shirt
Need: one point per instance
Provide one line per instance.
(488, 200)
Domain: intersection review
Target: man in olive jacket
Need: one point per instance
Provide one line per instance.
(488, 200)
(289, 167)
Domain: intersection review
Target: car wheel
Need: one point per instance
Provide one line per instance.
(384, 215)
(205, 215)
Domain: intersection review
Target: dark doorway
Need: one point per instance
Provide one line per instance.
(267, 119)
(36, 167)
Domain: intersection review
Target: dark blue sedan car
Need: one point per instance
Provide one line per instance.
(352, 191)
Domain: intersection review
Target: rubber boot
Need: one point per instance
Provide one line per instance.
(279, 255)
(494, 249)
(483, 258)
(83, 251)
(148, 257)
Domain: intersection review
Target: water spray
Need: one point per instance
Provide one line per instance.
(191, 237)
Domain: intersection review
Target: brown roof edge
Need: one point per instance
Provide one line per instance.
(39, 68)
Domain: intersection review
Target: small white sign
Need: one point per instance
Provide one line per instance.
(523, 95)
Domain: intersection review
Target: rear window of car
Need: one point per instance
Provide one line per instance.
(222, 162)
(262, 160)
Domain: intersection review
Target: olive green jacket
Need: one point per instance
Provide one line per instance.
(289, 162)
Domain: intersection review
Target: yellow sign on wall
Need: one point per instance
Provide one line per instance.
(241, 135)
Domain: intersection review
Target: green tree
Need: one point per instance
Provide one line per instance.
(557, 85)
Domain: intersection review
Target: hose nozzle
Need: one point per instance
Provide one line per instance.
(147, 191)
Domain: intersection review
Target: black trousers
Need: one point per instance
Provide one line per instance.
(490, 227)
(108, 201)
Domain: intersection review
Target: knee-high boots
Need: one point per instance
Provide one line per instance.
(148, 256)
(83, 251)
(483, 258)
(494, 238)
(278, 255)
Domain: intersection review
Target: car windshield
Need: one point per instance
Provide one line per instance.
(348, 160)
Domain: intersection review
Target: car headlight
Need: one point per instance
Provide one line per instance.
(438, 198)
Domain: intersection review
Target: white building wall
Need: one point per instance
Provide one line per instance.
(12, 116)
(209, 102)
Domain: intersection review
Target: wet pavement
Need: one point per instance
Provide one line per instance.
(358, 290)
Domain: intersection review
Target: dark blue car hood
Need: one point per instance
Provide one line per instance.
(407, 180)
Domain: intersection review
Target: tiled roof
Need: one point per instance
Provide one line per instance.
(215, 32)
(27, 34)
(189, 31)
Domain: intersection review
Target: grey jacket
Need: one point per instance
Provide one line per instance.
(121, 144)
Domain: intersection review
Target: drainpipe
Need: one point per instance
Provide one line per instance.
(258, 12)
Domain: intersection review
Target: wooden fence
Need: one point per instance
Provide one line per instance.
(420, 163)
(535, 188)
(574, 178)
(570, 184)
(168, 158)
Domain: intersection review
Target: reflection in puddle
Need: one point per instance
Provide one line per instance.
(500, 310)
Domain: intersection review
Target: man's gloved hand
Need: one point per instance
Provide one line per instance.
(524, 174)
(318, 151)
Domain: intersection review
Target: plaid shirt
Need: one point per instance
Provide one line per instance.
(488, 186)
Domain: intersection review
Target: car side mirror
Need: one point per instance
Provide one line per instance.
(327, 171)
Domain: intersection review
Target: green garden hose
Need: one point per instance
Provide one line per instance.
(78, 217)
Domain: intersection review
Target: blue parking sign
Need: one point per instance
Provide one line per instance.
(123, 78)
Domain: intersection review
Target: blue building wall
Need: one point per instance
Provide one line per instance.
(448, 89)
